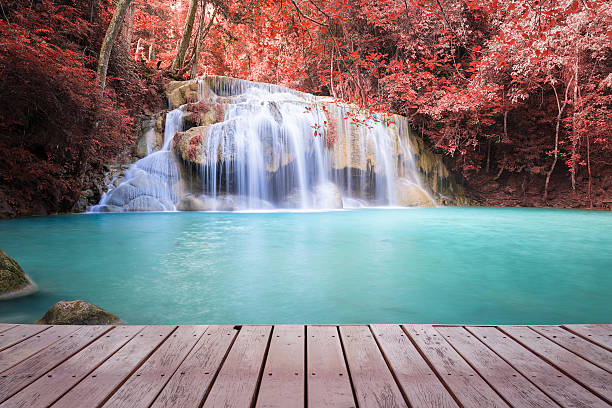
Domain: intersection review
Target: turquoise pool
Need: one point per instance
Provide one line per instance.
(439, 265)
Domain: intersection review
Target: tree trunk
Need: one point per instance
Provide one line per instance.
(111, 35)
(201, 36)
(184, 44)
(138, 48)
(560, 109)
(574, 159)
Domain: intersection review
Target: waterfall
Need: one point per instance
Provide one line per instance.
(260, 146)
(150, 184)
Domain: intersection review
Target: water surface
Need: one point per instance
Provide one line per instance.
(438, 265)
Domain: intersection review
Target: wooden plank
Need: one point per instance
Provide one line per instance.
(237, 381)
(329, 384)
(565, 391)
(4, 327)
(102, 382)
(600, 334)
(19, 334)
(576, 344)
(590, 376)
(464, 382)
(282, 384)
(373, 382)
(417, 380)
(508, 382)
(141, 389)
(16, 378)
(192, 380)
(32, 345)
(48, 388)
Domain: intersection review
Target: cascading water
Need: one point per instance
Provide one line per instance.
(261, 146)
(152, 183)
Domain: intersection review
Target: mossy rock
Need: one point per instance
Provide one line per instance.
(78, 312)
(13, 280)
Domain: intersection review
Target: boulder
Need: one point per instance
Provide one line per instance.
(122, 195)
(188, 144)
(77, 312)
(80, 205)
(181, 92)
(191, 203)
(142, 147)
(409, 194)
(13, 280)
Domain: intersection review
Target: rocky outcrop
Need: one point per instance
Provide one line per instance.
(182, 92)
(409, 194)
(13, 280)
(192, 203)
(151, 136)
(352, 149)
(78, 312)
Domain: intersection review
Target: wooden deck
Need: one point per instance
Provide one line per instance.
(305, 366)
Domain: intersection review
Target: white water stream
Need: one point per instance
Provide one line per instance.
(270, 151)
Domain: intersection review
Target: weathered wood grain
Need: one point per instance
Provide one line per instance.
(236, 383)
(590, 376)
(194, 377)
(4, 327)
(19, 334)
(48, 388)
(19, 376)
(373, 383)
(328, 380)
(141, 389)
(104, 380)
(282, 384)
(32, 345)
(576, 344)
(508, 382)
(565, 391)
(310, 366)
(600, 334)
(464, 382)
(418, 381)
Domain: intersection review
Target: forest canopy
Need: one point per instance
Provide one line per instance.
(518, 91)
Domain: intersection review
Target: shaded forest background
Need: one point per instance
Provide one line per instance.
(516, 93)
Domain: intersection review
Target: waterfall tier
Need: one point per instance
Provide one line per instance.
(230, 144)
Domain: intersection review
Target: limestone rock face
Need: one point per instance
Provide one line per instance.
(77, 312)
(188, 144)
(359, 143)
(408, 194)
(182, 92)
(13, 280)
(192, 203)
(145, 203)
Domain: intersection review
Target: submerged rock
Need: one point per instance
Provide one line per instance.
(13, 280)
(77, 312)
